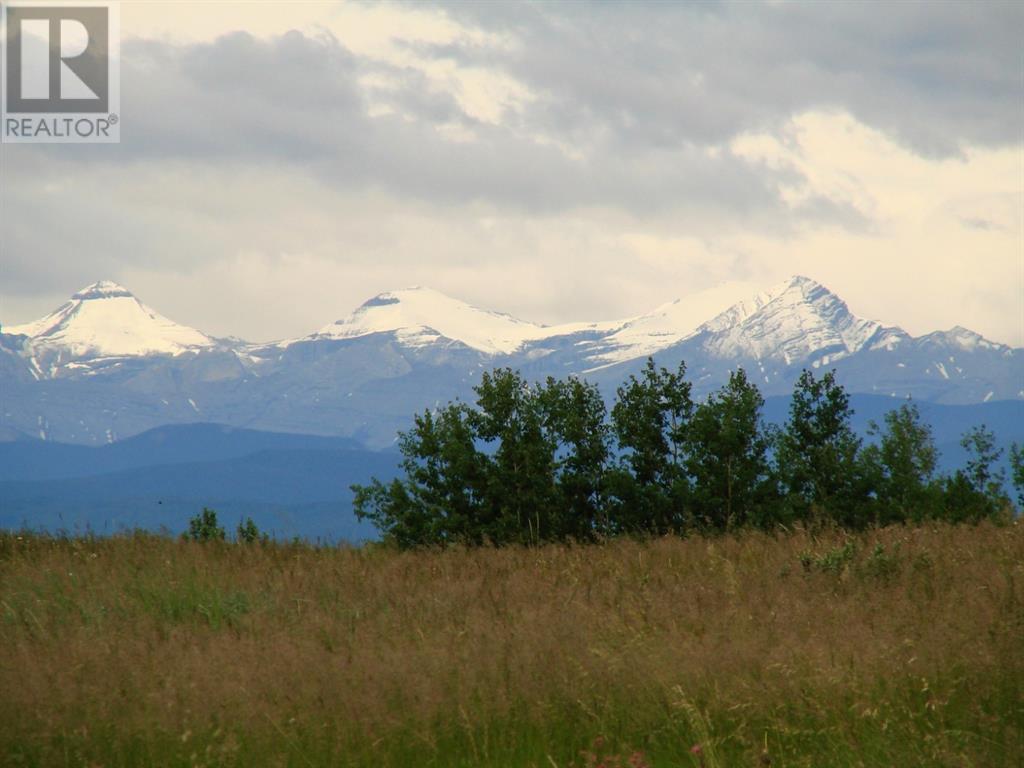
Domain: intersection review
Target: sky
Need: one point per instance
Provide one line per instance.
(280, 163)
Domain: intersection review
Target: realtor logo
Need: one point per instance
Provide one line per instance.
(61, 79)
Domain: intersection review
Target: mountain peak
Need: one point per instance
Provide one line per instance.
(962, 338)
(102, 289)
(796, 320)
(106, 320)
(412, 293)
(802, 281)
(419, 315)
(799, 289)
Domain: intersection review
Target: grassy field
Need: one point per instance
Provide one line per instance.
(900, 647)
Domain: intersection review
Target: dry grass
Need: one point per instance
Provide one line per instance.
(146, 651)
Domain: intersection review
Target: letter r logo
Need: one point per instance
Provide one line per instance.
(57, 59)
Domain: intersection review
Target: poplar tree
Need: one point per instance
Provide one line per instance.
(728, 458)
(902, 467)
(817, 456)
(649, 487)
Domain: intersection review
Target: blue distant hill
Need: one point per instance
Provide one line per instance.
(291, 485)
(25, 458)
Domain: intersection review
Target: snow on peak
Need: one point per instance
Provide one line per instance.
(962, 338)
(418, 316)
(103, 289)
(664, 326)
(105, 320)
(793, 321)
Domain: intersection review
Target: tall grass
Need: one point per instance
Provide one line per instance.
(898, 647)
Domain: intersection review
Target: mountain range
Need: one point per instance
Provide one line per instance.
(104, 366)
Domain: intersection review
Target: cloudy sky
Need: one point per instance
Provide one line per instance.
(282, 162)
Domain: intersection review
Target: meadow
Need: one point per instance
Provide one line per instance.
(901, 646)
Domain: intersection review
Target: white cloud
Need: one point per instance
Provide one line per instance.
(387, 33)
(947, 246)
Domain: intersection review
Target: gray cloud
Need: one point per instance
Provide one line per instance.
(297, 100)
(296, 103)
(935, 76)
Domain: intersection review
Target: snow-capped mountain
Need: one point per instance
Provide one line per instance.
(645, 335)
(801, 324)
(420, 317)
(797, 321)
(102, 321)
(105, 366)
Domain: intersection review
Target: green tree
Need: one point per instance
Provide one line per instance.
(902, 467)
(1017, 471)
(649, 487)
(521, 489)
(249, 533)
(817, 456)
(525, 465)
(976, 492)
(441, 499)
(204, 527)
(575, 414)
(530, 463)
(983, 458)
(727, 458)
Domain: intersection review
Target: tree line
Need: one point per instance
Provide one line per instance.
(541, 462)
